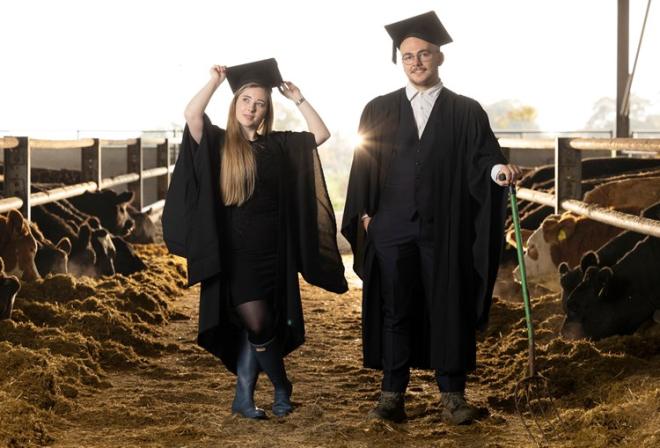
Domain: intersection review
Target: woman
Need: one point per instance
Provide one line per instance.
(248, 208)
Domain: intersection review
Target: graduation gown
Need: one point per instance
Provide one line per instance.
(193, 220)
(469, 211)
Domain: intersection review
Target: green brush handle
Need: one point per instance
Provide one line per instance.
(523, 277)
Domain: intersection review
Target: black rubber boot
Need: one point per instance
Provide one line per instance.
(271, 361)
(247, 373)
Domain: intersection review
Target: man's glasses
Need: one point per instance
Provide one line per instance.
(423, 56)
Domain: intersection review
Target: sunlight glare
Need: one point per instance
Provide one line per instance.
(356, 141)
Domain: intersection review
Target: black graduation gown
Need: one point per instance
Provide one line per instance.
(193, 218)
(469, 213)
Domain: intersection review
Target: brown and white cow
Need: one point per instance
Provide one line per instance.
(626, 195)
(561, 238)
(18, 247)
(565, 238)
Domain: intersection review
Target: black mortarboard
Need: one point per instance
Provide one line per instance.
(425, 26)
(265, 73)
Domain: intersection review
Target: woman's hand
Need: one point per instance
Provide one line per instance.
(218, 73)
(290, 91)
(194, 113)
(314, 122)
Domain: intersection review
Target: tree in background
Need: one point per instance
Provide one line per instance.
(288, 117)
(644, 115)
(512, 115)
(336, 154)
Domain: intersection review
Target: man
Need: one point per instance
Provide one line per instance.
(424, 215)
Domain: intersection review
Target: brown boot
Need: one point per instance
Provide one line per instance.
(390, 407)
(456, 410)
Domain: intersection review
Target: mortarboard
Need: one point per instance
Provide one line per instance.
(265, 73)
(425, 26)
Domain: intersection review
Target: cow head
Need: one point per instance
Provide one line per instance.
(109, 207)
(144, 230)
(18, 246)
(105, 252)
(569, 278)
(540, 266)
(127, 261)
(82, 260)
(591, 312)
(51, 258)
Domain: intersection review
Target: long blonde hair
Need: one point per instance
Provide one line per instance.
(238, 171)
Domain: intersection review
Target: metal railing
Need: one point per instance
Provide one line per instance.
(568, 177)
(567, 162)
(18, 167)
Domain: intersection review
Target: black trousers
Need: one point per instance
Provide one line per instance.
(399, 240)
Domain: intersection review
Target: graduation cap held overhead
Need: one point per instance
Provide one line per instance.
(264, 72)
(425, 26)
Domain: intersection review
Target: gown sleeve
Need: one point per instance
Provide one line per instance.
(190, 218)
(311, 218)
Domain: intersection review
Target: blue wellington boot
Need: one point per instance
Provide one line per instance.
(247, 373)
(271, 361)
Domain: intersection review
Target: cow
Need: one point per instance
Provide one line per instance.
(51, 258)
(617, 299)
(606, 255)
(561, 238)
(105, 250)
(631, 191)
(546, 247)
(144, 229)
(82, 258)
(127, 260)
(18, 247)
(109, 207)
(69, 218)
(626, 195)
(9, 287)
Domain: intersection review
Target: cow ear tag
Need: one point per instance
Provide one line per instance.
(561, 236)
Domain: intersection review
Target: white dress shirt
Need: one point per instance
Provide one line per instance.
(422, 103)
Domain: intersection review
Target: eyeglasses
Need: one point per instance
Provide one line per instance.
(423, 56)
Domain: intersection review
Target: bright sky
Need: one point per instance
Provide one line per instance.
(133, 64)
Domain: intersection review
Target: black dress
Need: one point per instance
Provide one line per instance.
(253, 229)
(194, 227)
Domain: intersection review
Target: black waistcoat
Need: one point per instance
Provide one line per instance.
(408, 187)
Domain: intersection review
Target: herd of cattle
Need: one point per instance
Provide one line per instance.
(606, 276)
(88, 235)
